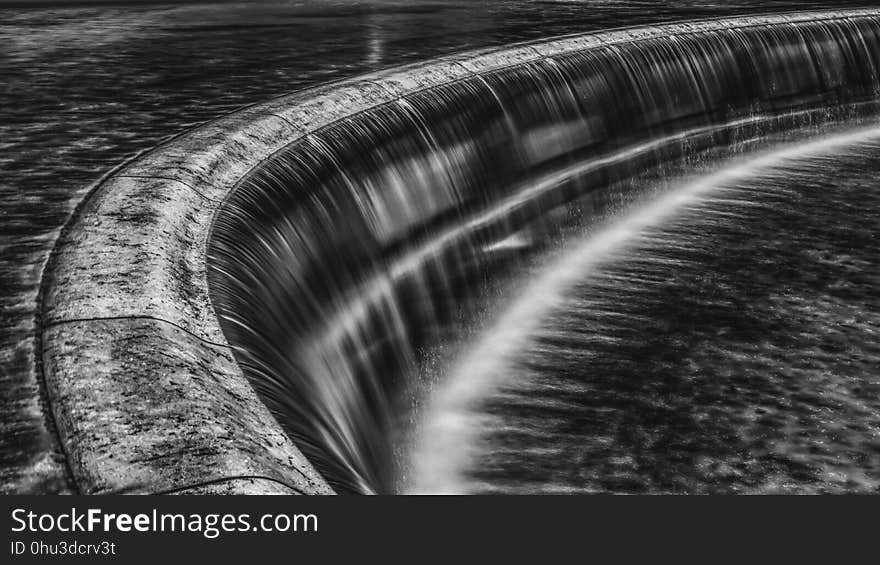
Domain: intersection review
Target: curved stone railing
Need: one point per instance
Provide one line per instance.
(142, 384)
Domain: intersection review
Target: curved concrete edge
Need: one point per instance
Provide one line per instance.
(142, 384)
(153, 408)
(245, 485)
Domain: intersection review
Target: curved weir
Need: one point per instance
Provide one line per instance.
(338, 262)
(343, 234)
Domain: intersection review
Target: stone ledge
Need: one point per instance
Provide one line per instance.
(154, 408)
(139, 254)
(144, 406)
(239, 485)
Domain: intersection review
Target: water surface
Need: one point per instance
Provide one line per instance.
(86, 87)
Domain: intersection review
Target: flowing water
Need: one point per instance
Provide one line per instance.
(721, 337)
(85, 87)
(660, 355)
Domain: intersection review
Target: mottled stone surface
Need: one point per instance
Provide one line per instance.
(315, 108)
(418, 77)
(246, 485)
(491, 61)
(144, 389)
(140, 253)
(214, 157)
(143, 406)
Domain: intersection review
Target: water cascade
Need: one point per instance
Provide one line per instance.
(341, 260)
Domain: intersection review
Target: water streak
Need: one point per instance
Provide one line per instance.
(340, 262)
(448, 437)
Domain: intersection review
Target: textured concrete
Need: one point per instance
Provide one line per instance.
(157, 409)
(139, 256)
(414, 77)
(239, 485)
(219, 154)
(145, 392)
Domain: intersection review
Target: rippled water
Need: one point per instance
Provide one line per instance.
(86, 87)
(720, 337)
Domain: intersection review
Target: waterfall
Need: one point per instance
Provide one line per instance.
(339, 261)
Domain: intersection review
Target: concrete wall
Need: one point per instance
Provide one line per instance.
(144, 389)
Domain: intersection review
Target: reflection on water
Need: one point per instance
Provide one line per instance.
(718, 338)
(85, 88)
